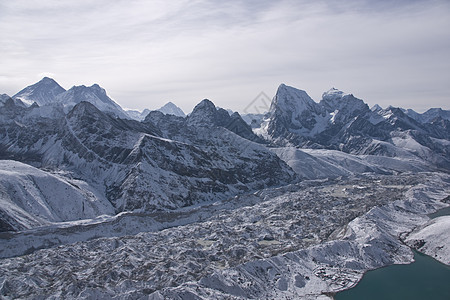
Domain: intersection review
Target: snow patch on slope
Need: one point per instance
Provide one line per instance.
(433, 239)
(323, 163)
(31, 197)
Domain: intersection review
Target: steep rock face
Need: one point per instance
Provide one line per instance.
(161, 163)
(237, 125)
(43, 92)
(294, 118)
(293, 111)
(205, 114)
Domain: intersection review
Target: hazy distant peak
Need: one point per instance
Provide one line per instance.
(171, 109)
(376, 108)
(203, 113)
(48, 80)
(43, 92)
(333, 94)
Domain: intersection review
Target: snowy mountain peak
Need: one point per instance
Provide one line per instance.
(93, 94)
(376, 108)
(333, 94)
(289, 99)
(342, 121)
(348, 106)
(292, 110)
(43, 92)
(203, 113)
(93, 91)
(171, 109)
(137, 115)
(95, 87)
(48, 80)
(204, 107)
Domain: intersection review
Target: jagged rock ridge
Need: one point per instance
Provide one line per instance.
(48, 92)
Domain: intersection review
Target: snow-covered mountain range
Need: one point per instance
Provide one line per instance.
(168, 109)
(170, 160)
(33, 198)
(164, 162)
(49, 92)
(343, 122)
(297, 202)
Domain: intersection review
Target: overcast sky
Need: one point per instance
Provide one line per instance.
(146, 53)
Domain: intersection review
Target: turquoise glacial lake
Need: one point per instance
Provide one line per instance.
(426, 278)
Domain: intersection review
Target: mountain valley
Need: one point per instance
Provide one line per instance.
(102, 202)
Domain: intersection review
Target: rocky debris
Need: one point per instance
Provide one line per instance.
(284, 243)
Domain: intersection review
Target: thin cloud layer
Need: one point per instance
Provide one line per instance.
(145, 54)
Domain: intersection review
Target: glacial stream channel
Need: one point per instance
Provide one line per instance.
(425, 278)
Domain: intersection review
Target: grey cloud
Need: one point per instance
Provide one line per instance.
(391, 52)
